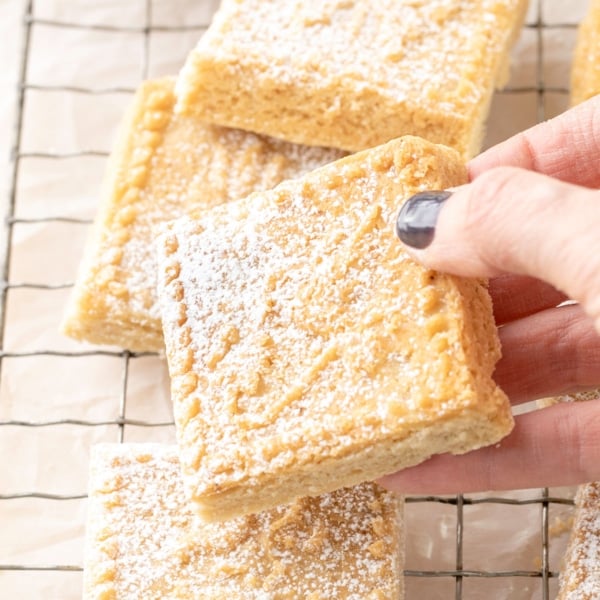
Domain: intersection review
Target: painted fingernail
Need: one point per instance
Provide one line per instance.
(417, 218)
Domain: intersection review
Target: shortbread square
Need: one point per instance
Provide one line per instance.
(585, 73)
(353, 74)
(308, 351)
(163, 167)
(580, 572)
(144, 542)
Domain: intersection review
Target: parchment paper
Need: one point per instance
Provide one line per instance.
(54, 459)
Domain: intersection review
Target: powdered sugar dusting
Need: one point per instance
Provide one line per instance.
(580, 578)
(144, 542)
(173, 166)
(349, 65)
(196, 167)
(297, 329)
(410, 48)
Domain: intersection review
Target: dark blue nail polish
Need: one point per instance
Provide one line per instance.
(417, 218)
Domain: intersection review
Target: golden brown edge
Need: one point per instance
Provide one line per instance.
(206, 74)
(490, 419)
(587, 49)
(98, 325)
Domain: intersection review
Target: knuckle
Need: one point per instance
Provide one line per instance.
(528, 145)
(577, 436)
(587, 288)
(586, 448)
(582, 253)
(590, 121)
(574, 348)
(587, 358)
(488, 195)
(486, 212)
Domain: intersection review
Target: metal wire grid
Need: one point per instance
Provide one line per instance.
(544, 500)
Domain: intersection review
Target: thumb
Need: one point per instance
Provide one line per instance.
(510, 220)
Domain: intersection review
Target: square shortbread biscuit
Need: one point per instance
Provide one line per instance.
(143, 541)
(585, 74)
(307, 351)
(164, 166)
(353, 74)
(580, 573)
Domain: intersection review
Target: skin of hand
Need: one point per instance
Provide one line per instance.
(530, 221)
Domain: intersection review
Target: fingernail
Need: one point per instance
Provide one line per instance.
(417, 218)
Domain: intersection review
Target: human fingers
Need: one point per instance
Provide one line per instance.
(510, 220)
(555, 446)
(550, 353)
(566, 147)
(517, 296)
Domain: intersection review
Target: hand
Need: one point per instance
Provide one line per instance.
(530, 221)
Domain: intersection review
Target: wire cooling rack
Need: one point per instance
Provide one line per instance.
(57, 574)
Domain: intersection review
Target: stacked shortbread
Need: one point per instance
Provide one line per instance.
(308, 353)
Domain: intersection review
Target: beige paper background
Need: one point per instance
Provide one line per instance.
(53, 459)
